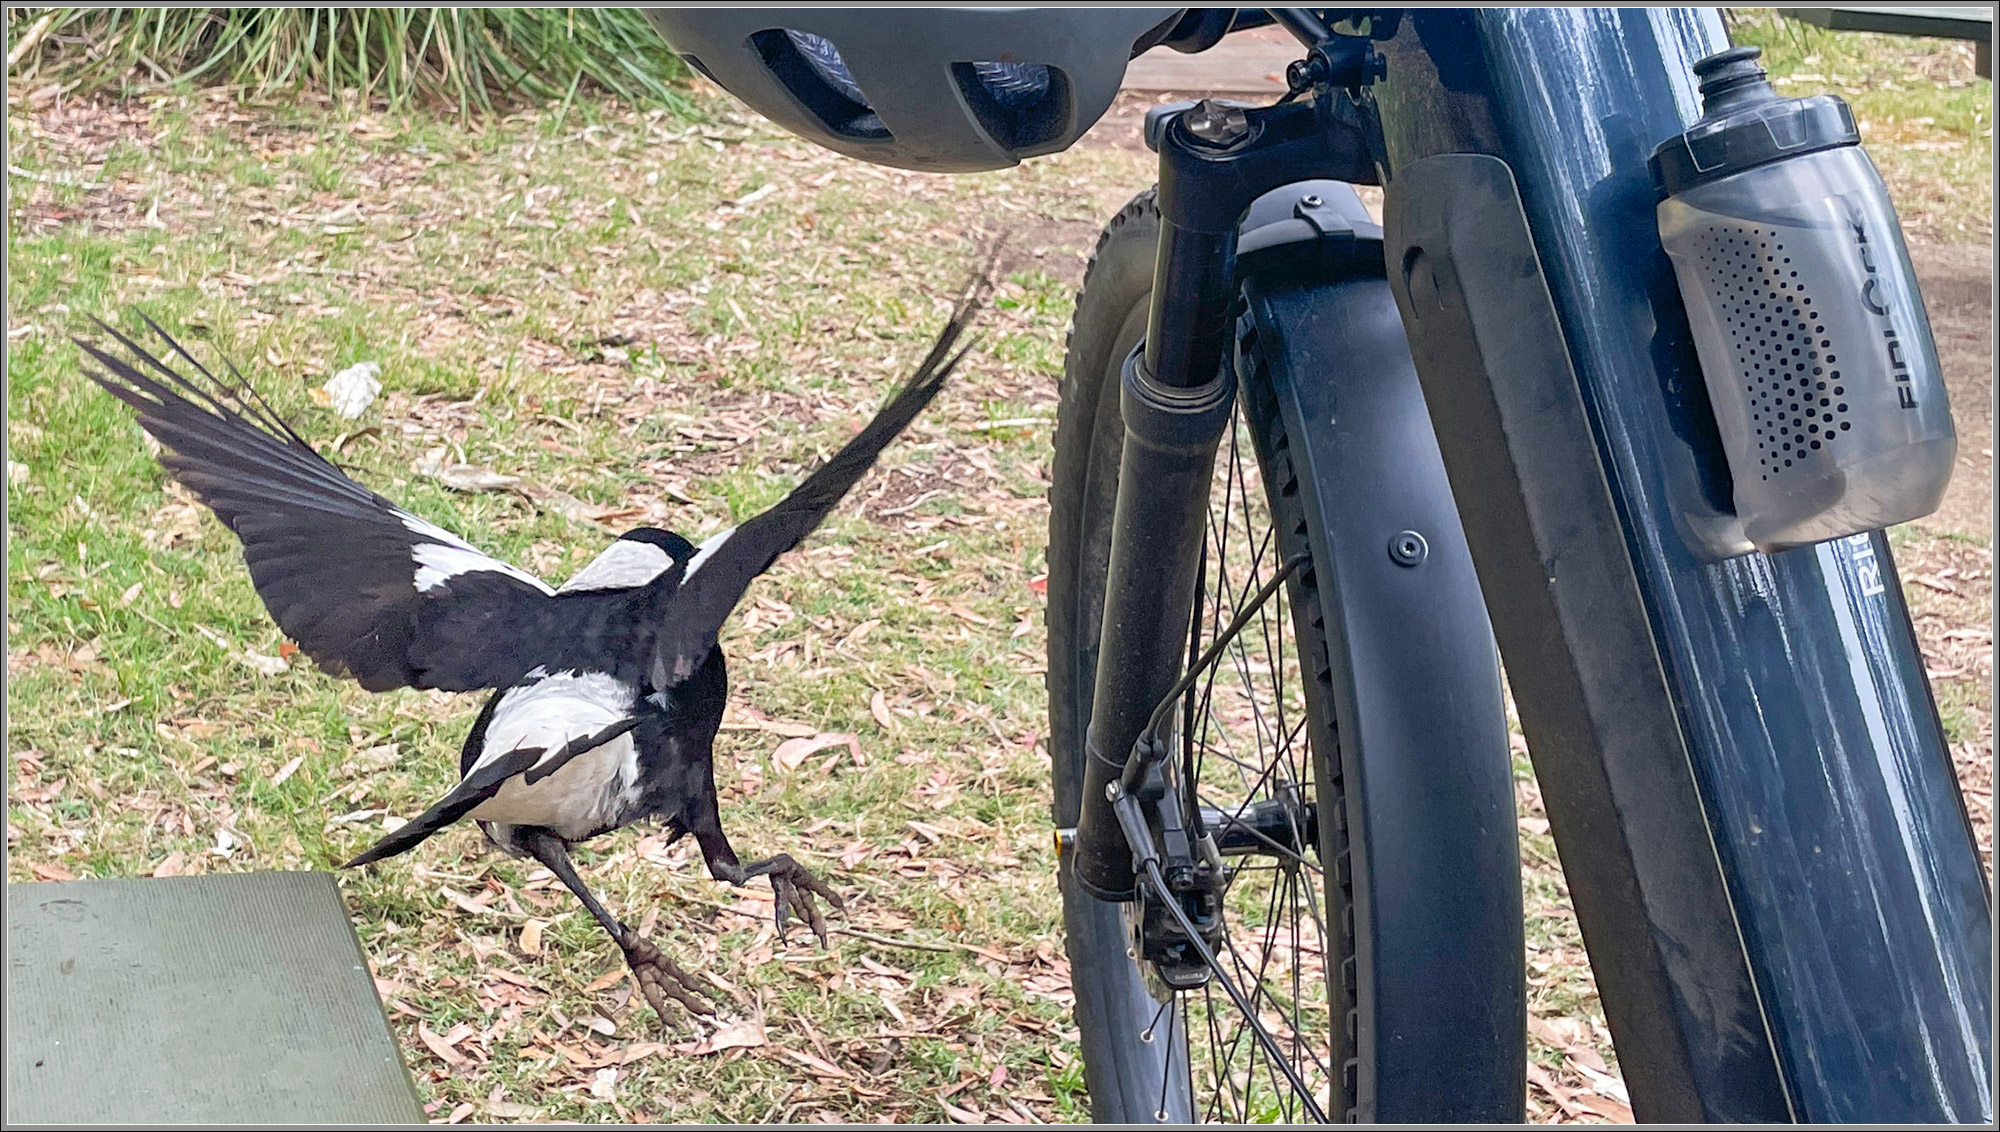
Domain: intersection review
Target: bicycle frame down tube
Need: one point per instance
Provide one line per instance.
(1802, 771)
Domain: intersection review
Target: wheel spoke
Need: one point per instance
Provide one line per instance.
(1238, 717)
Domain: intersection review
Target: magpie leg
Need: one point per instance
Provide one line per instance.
(792, 884)
(660, 980)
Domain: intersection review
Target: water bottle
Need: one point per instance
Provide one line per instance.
(1812, 336)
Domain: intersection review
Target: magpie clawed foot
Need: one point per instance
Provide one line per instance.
(795, 887)
(661, 980)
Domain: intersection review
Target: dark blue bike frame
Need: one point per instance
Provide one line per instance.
(1742, 764)
(1747, 780)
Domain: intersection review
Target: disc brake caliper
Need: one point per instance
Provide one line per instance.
(1154, 821)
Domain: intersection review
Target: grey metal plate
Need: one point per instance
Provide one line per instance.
(236, 998)
(1944, 22)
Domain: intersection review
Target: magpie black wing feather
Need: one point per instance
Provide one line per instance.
(484, 782)
(366, 589)
(719, 576)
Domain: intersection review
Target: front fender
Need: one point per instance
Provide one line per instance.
(1422, 741)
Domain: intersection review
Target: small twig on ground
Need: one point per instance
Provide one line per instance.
(49, 179)
(913, 944)
(1008, 422)
(870, 937)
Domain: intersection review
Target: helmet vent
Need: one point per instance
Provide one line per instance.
(1021, 105)
(811, 68)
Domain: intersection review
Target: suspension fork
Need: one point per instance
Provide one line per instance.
(1176, 400)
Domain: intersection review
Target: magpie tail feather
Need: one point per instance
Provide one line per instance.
(416, 831)
(406, 838)
(475, 788)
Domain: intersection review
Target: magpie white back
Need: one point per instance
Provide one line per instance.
(607, 692)
(622, 565)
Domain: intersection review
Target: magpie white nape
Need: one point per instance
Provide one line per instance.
(608, 692)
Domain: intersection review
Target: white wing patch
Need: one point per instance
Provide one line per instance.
(447, 556)
(430, 530)
(709, 546)
(622, 565)
(591, 790)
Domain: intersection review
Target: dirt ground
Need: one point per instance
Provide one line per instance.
(1957, 282)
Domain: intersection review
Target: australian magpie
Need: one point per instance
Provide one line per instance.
(607, 691)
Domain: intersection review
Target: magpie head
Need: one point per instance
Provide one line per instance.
(677, 548)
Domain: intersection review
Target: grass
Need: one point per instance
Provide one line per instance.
(574, 296)
(467, 58)
(567, 297)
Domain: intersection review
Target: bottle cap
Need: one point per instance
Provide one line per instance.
(1744, 124)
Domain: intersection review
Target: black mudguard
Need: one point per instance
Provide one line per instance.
(1440, 981)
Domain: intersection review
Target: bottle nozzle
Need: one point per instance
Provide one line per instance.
(1732, 78)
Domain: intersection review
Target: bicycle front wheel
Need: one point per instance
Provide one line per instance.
(1391, 1005)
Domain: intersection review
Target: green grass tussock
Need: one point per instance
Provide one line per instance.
(466, 58)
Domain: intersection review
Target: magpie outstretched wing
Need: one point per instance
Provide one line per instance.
(367, 589)
(724, 566)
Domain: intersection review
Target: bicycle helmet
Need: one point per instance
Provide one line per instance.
(949, 90)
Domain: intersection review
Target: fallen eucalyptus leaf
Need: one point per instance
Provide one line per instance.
(465, 477)
(737, 1035)
(792, 752)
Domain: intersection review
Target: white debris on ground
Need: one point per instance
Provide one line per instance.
(353, 389)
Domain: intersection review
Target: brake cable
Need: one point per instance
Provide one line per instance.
(1151, 748)
(1264, 1038)
(1151, 743)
